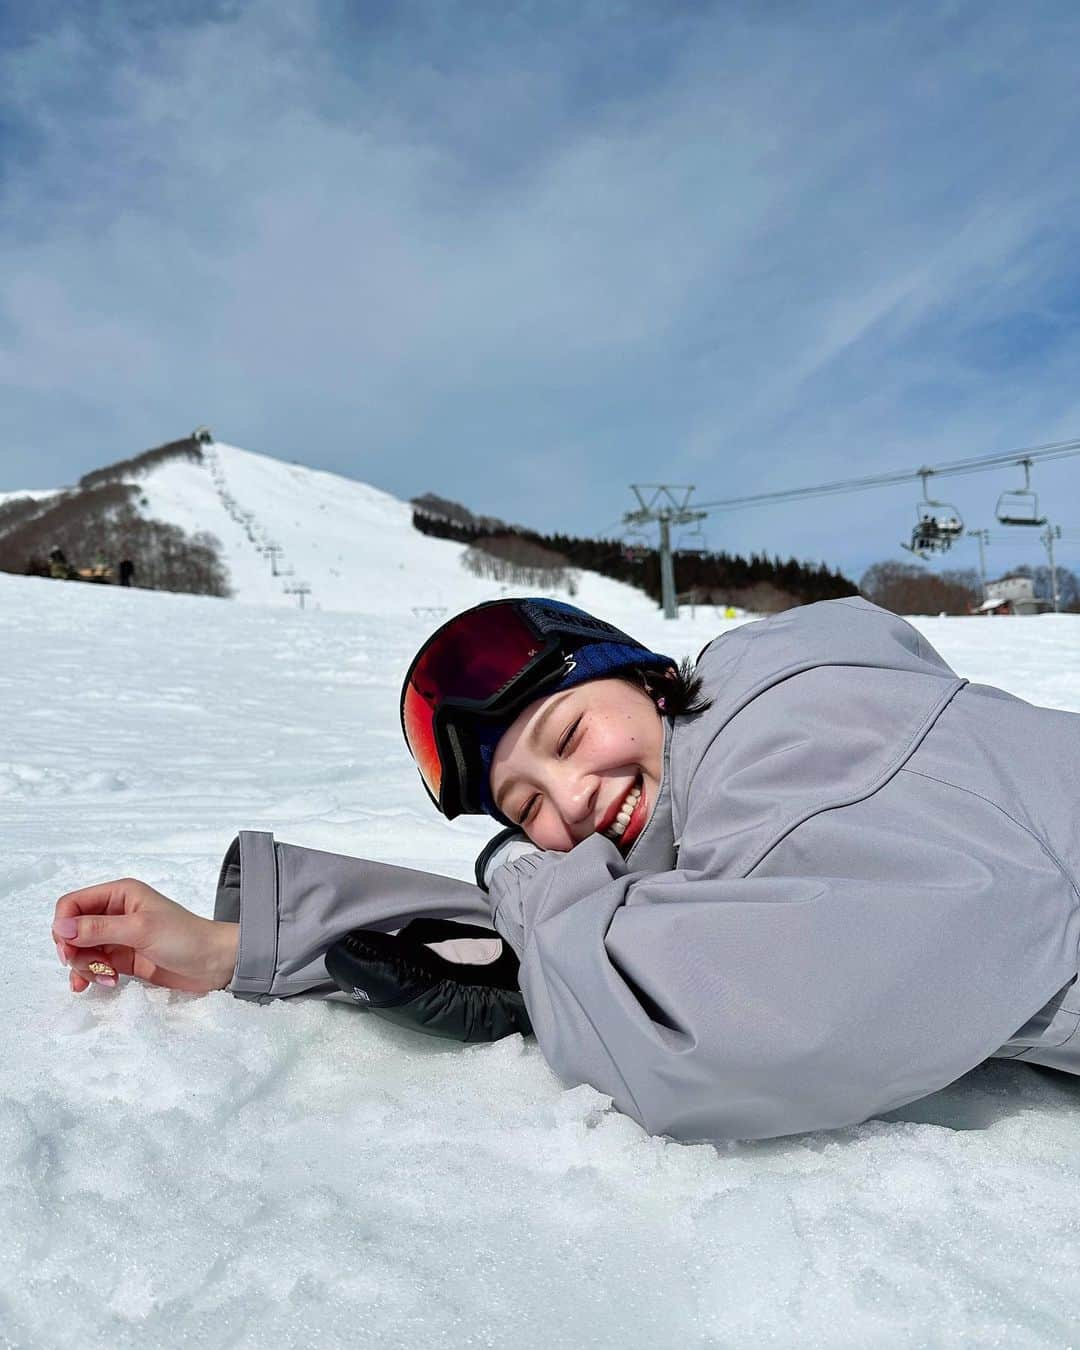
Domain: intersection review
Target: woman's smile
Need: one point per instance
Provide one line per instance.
(581, 762)
(631, 819)
(614, 821)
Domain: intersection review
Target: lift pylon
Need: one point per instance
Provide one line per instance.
(657, 502)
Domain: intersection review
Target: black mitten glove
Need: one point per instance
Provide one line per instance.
(397, 977)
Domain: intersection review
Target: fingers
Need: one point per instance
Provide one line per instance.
(105, 959)
(94, 965)
(108, 897)
(101, 930)
(79, 982)
(93, 933)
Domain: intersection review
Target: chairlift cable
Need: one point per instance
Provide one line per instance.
(1053, 450)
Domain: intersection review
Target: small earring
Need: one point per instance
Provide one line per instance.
(661, 704)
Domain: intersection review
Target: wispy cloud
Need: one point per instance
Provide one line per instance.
(526, 256)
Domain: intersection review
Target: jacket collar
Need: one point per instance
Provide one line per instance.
(655, 849)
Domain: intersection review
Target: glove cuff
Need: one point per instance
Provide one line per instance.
(508, 845)
(406, 983)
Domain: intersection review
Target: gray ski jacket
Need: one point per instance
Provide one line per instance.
(858, 882)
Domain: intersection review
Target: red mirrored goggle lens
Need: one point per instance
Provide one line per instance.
(418, 719)
(472, 660)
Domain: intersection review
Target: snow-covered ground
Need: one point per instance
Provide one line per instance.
(203, 1171)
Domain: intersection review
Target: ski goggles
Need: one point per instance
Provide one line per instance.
(481, 668)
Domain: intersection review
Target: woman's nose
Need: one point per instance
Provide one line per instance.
(575, 797)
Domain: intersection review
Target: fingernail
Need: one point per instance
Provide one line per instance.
(67, 928)
(108, 980)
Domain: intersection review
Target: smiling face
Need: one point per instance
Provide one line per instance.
(570, 764)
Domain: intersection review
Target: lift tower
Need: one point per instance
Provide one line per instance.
(666, 509)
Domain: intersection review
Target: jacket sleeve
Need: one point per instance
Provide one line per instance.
(293, 903)
(712, 1008)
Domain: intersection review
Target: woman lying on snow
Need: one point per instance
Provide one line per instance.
(811, 881)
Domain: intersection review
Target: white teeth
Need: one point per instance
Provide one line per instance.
(615, 830)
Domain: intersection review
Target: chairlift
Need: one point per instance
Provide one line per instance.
(1020, 506)
(635, 546)
(692, 542)
(938, 525)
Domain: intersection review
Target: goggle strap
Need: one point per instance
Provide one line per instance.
(546, 620)
(461, 772)
(532, 689)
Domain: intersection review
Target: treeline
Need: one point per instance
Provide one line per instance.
(758, 583)
(521, 563)
(98, 521)
(906, 588)
(1068, 585)
(121, 469)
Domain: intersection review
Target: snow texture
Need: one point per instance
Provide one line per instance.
(178, 1170)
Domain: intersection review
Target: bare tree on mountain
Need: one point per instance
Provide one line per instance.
(100, 519)
(906, 588)
(1068, 585)
(510, 558)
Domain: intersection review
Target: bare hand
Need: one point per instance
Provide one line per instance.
(127, 928)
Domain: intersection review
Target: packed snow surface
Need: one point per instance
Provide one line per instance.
(178, 1170)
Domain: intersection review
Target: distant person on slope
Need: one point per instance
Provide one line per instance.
(59, 567)
(811, 880)
(126, 572)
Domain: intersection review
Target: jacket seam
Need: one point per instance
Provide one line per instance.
(769, 682)
(1068, 1038)
(1059, 1045)
(891, 769)
(971, 792)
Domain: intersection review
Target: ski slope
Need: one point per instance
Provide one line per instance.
(351, 545)
(179, 1170)
(354, 545)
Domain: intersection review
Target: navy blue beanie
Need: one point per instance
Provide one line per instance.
(591, 661)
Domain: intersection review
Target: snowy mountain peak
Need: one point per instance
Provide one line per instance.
(291, 535)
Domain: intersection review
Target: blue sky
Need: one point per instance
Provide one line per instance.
(522, 255)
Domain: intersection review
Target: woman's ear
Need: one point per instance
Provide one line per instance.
(658, 686)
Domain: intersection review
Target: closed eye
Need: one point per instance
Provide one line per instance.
(564, 744)
(526, 810)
